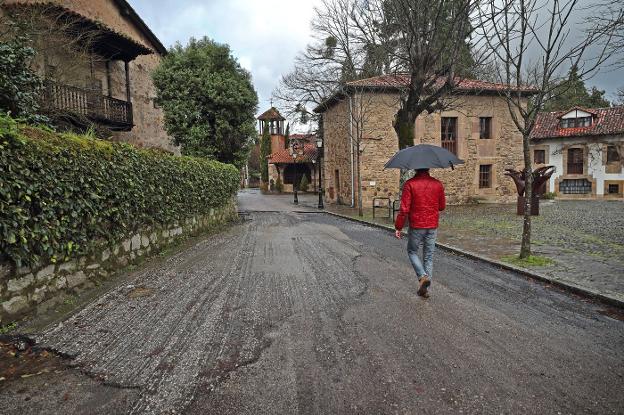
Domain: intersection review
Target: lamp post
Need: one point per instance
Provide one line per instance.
(319, 154)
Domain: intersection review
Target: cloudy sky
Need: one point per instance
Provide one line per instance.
(265, 35)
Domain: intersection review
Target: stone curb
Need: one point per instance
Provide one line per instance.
(585, 292)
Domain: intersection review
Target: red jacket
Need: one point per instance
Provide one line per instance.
(422, 200)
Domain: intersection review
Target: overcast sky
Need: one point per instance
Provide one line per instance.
(265, 35)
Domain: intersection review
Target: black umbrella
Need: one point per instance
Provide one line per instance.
(423, 156)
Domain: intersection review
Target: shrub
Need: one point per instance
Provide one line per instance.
(303, 185)
(279, 186)
(19, 85)
(60, 194)
(549, 195)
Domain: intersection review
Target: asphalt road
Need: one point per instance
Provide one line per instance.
(304, 313)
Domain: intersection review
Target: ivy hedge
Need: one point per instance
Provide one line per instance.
(61, 194)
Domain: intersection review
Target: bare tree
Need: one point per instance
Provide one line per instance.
(363, 103)
(534, 43)
(426, 43)
(327, 63)
(620, 96)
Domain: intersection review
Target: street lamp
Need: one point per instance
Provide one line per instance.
(319, 154)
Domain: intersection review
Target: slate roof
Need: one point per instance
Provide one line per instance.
(606, 121)
(271, 114)
(284, 157)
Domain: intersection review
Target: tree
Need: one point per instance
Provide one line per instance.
(208, 100)
(620, 96)
(572, 92)
(362, 106)
(265, 151)
(429, 40)
(287, 136)
(530, 45)
(430, 44)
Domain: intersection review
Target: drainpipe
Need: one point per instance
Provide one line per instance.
(352, 154)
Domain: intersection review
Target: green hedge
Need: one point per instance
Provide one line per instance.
(60, 194)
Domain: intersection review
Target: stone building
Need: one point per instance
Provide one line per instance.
(478, 128)
(96, 58)
(586, 146)
(285, 164)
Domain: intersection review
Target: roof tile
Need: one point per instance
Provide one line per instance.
(283, 156)
(402, 80)
(607, 121)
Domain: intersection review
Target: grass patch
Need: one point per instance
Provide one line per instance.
(531, 261)
(8, 328)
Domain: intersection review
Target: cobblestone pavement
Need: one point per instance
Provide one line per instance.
(301, 313)
(585, 239)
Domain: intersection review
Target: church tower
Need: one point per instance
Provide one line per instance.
(275, 123)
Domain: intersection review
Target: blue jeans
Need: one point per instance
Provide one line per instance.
(426, 238)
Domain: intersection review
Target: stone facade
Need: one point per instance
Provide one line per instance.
(29, 290)
(379, 143)
(148, 128)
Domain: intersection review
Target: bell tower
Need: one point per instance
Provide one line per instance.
(275, 123)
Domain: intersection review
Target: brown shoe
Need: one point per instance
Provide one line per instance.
(423, 283)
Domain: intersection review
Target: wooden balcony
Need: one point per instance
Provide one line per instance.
(69, 101)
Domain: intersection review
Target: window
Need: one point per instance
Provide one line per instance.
(575, 186)
(613, 156)
(613, 189)
(485, 128)
(449, 134)
(575, 161)
(485, 176)
(576, 122)
(539, 156)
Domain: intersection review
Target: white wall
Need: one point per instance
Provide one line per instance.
(595, 166)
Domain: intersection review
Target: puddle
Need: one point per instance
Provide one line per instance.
(20, 358)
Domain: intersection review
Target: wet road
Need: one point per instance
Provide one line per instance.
(304, 313)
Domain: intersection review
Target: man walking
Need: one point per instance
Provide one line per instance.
(422, 200)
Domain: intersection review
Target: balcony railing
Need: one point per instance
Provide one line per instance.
(63, 99)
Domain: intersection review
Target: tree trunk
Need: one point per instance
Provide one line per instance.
(525, 247)
(404, 127)
(404, 123)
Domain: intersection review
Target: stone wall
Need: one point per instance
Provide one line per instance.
(337, 156)
(26, 291)
(379, 144)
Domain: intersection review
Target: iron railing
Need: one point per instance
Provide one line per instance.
(60, 98)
